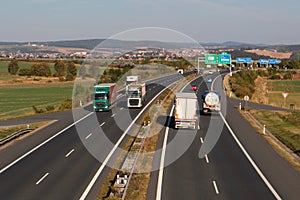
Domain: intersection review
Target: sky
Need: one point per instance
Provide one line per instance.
(249, 21)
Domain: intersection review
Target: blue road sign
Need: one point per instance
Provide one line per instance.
(243, 60)
(248, 60)
(263, 61)
(273, 61)
(240, 60)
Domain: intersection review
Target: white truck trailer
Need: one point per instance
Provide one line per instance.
(185, 110)
(136, 93)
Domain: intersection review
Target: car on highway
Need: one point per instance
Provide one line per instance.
(210, 72)
(209, 80)
(194, 87)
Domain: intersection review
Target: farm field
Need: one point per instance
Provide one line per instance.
(277, 87)
(17, 101)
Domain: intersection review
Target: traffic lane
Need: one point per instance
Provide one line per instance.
(235, 176)
(283, 177)
(21, 178)
(20, 147)
(187, 177)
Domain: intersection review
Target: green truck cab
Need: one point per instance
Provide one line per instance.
(104, 96)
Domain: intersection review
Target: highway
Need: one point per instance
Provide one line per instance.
(241, 165)
(58, 162)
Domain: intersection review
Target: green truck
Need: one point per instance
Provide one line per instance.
(104, 96)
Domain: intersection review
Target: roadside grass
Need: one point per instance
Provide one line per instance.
(283, 125)
(17, 101)
(6, 131)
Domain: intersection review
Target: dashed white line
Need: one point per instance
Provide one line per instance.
(102, 124)
(198, 127)
(216, 187)
(89, 135)
(121, 108)
(206, 158)
(68, 154)
(112, 115)
(41, 179)
(201, 140)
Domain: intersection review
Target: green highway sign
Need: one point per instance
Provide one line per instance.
(211, 59)
(224, 58)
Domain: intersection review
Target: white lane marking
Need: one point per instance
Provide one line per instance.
(112, 115)
(206, 158)
(97, 174)
(198, 127)
(276, 195)
(201, 139)
(162, 160)
(216, 187)
(43, 143)
(121, 108)
(89, 135)
(102, 124)
(41, 179)
(68, 154)
(212, 84)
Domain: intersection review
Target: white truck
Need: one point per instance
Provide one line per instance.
(136, 93)
(211, 102)
(132, 79)
(186, 110)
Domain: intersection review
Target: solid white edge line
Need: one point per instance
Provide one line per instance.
(68, 154)
(41, 179)
(89, 135)
(276, 195)
(216, 187)
(43, 143)
(162, 160)
(97, 174)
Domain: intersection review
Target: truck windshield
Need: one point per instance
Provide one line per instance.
(133, 94)
(101, 96)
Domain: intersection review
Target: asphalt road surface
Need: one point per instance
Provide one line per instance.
(248, 170)
(59, 161)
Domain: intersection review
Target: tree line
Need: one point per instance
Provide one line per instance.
(64, 71)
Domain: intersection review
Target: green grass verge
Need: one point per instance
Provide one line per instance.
(283, 125)
(4, 132)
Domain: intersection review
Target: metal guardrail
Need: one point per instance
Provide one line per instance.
(14, 135)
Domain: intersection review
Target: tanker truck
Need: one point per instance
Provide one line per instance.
(211, 102)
